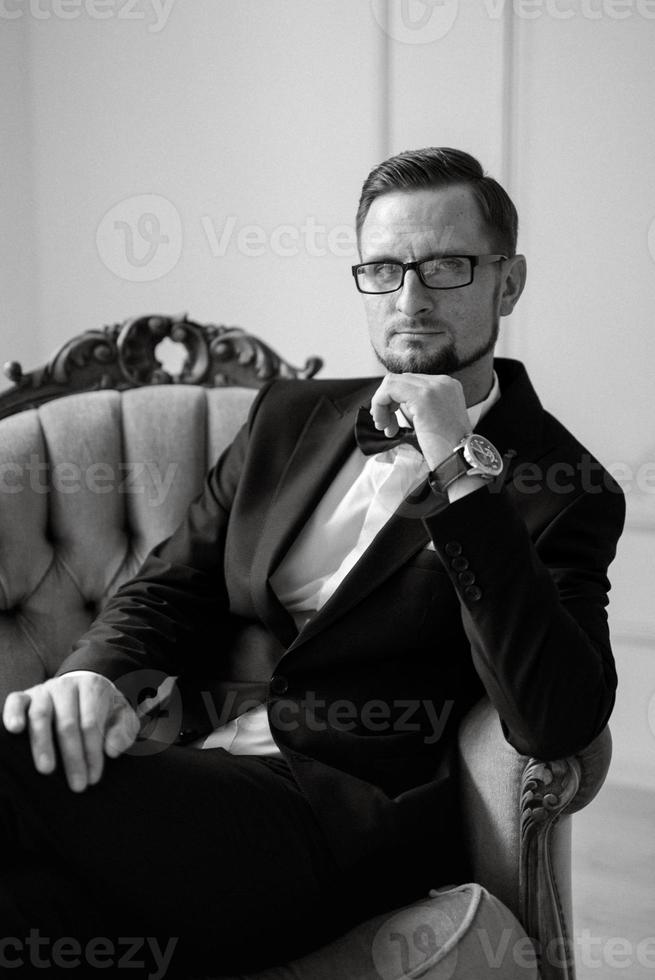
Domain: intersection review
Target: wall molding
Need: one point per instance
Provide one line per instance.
(384, 88)
(509, 148)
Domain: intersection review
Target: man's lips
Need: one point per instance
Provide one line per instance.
(418, 332)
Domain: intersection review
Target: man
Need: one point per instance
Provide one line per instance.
(359, 595)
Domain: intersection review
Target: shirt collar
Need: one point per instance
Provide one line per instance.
(477, 412)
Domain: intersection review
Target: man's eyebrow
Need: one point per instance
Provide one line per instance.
(448, 253)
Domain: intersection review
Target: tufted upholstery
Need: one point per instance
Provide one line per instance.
(88, 484)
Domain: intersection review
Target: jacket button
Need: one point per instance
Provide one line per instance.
(279, 684)
(453, 548)
(466, 578)
(473, 593)
(460, 564)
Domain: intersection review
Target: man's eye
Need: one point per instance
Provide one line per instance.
(443, 265)
(384, 270)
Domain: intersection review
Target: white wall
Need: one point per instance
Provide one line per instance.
(584, 149)
(236, 114)
(19, 273)
(213, 119)
(270, 113)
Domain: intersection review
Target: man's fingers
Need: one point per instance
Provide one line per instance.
(383, 414)
(386, 401)
(121, 733)
(73, 714)
(433, 404)
(69, 735)
(14, 713)
(39, 716)
(390, 427)
(94, 707)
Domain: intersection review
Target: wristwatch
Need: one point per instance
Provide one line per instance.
(473, 456)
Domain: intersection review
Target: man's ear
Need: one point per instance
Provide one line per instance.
(514, 275)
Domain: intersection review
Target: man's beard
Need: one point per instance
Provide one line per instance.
(444, 361)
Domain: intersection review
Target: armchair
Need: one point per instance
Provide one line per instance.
(91, 481)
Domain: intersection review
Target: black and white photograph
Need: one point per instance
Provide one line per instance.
(327, 489)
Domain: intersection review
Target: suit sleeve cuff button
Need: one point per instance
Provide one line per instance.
(473, 593)
(279, 684)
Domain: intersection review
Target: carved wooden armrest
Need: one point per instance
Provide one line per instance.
(548, 791)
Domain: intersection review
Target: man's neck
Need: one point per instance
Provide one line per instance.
(476, 380)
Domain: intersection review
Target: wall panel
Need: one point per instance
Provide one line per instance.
(19, 273)
(584, 182)
(451, 83)
(254, 122)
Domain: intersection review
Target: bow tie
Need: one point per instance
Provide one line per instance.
(371, 440)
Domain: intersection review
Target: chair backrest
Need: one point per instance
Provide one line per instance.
(89, 484)
(126, 355)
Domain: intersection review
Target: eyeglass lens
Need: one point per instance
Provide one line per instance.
(438, 273)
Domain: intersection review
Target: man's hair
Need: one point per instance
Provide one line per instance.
(438, 166)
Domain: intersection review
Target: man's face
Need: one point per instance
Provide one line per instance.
(431, 331)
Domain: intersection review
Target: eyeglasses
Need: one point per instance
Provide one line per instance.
(441, 272)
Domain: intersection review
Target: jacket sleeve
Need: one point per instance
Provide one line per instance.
(164, 616)
(534, 611)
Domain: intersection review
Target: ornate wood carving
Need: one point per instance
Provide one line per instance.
(124, 356)
(548, 788)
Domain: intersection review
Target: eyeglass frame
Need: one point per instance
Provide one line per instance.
(474, 261)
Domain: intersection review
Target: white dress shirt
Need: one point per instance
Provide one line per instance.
(360, 500)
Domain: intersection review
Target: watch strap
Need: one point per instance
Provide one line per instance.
(448, 470)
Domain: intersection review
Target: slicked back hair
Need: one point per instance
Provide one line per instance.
(436, 167)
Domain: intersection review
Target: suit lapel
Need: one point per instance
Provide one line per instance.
(515, 423)
(401, 537)
(322, 448)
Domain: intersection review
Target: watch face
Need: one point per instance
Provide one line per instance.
(483, 455)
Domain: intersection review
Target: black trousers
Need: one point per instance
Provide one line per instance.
(216, 859)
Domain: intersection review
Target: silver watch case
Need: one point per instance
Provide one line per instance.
(481, 455)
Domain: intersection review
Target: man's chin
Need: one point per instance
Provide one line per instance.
(417, 360)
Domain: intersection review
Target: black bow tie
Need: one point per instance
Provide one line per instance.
(371, 440)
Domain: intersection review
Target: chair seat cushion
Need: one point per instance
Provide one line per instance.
(461, 933)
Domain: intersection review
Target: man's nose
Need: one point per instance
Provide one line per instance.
(413, 296)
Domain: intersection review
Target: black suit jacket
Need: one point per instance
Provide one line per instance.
(503, 591)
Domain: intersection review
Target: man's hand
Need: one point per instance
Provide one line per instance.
(83, 713)
(433, 403)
